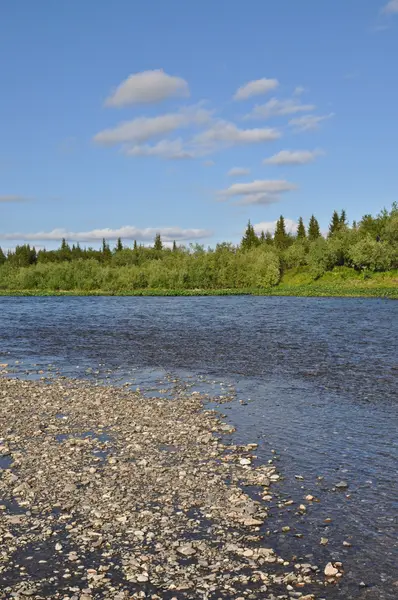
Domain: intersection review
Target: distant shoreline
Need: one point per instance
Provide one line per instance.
(306, 290)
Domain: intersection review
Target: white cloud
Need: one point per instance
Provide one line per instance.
(258, 186)
(224, 133)
(238, 172)
(293, 157)
(277, 108)
(127, 233)
(147, 87)
(209, 163)
(391, 7)
(167, 149)
(298, 90)
(219, 134)
(12, 199)
(144, 128)
(309, 122)
(290, 226)
(258, 191)
(258, 199)
(256, 87)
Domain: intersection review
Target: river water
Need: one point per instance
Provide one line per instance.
(315, 384)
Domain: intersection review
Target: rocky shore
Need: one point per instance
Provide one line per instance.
(106, 494)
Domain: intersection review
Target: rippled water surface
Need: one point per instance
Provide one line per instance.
(316, 381)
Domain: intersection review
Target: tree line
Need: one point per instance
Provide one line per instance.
(259, 260)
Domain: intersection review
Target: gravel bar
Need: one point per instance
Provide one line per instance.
(106, 494)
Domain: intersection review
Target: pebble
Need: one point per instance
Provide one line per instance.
(330, 570)
(342, 485)
(324, 541)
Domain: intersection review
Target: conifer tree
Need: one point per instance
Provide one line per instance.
(334, 223)
(343, 218)
(174, 246)
(119, 245)
(280, 236)
(135, 247)
(3, 257)
(106, 251)
(249, 240)
(64, 252)
(262, 237)
(301, 233)
(268, 239)
(158, 246)
(33, 256)
(314, 231)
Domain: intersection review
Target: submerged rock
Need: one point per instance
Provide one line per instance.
(342, 485)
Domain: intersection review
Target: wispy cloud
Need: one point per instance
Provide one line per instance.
(277, 108)
(166, 149)
(270, 226)
(144, 128)
(257, 87)
(219, 135)
(309, 122)
(378, 28)
(224, 133)
(352, 75)
(147, 87)
(258, 192)
(127, 233)
(391, 8)
(298, 90)
(238, 172)
(13, 199)
(293, 157)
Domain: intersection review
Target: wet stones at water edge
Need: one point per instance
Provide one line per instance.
(92, 506)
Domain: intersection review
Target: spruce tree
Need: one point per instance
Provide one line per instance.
(174, 246)
(262, 237)
(135, 247)
(249, 240)
(64, 252)
(301, 233)
(158, 246)
(106, 251)
(314, 231)
(268, 239)
(334, 223)
(343, 218)
(33, 256)
(280, 236)
(119, 245)
(3, 257)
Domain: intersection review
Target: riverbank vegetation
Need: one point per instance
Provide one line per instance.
(352, 259)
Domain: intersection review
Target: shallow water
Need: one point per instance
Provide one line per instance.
(315, 381)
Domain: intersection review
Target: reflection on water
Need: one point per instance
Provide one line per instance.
(315, 382)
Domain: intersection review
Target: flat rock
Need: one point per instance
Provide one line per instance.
(330, 570)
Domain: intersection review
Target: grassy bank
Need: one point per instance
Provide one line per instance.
(337, 283)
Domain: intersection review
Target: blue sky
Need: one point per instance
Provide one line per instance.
(129, 116)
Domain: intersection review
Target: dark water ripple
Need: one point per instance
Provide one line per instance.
(318, 378)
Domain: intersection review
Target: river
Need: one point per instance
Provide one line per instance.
(315, 385)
